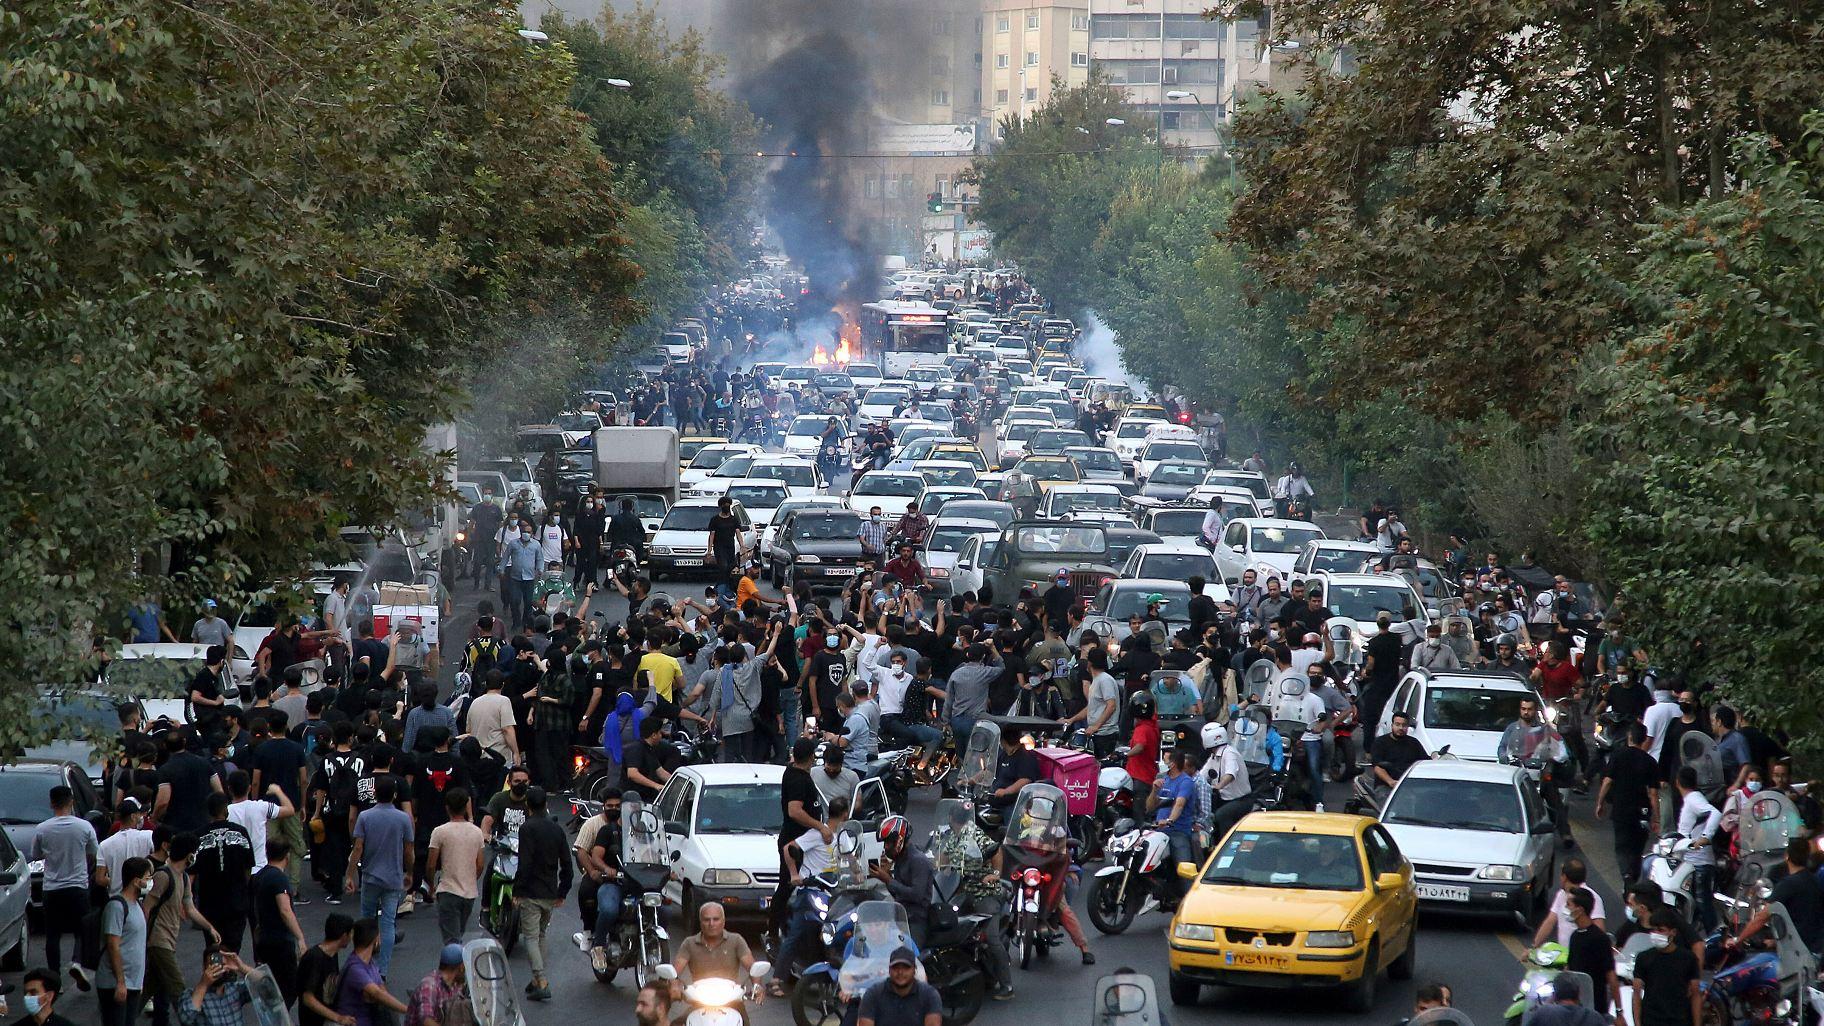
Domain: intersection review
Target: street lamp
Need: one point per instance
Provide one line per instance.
(1116, 122)
(1215, 129)
(618, 83)
(533, 36)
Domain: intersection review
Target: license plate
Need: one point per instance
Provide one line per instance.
(1250, 959)
(1441, 892)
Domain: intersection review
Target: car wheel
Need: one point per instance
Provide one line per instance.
(1404, 966)
(1184, 990)
(1358, 997)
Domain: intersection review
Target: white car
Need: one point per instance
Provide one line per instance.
(1254, 482)
(864, 375)
(1478, 836)
(159, 674)
(786, 509)
(804, 436)
(1062, 501)
(893, 491)
(708, 459)
(1332, 555)
(1267, 546)
(721, 824)
(1359, 599)
(929, 374)
(1013, 438)
(951, 473)
(1175, 560)
(676, 345)
(717, 481)
(933, 498)
(880, 401)
(682, 542)
(1236, 502)
(761, 497)
(1019, 412)
(799, 476)
(1167, 450)
(1128, 438)
(1465, 709)
(944, 543)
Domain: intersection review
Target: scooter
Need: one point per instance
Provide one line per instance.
(1665, 865)
(1544, 964)
(716, 1001)
(1139, 877)
(499, 914)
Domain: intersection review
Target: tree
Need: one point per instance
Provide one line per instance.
(252, 251)
(1705, 436)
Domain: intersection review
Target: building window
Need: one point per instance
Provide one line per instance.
(978, 58)
(1125, 26)
(870, 187)
(1131, 72)
(1192, 26)
(1000, 60)
(1000, 23)
(940, 65)
(1079, 23)
(1079, 60)
(940, 97)
(1032, 93)
(1000, 97)
(942, 27)
(907, 186)
(1170, 120)
(943, 185)
(1032, 19)
(892, 187)
(978, 96)
(1032, 58)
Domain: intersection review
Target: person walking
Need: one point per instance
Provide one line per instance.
(539, 888)
(519, 563)
(224, 862)
(457, 850)
(121, 977)
(319, 973)
(1630, 787)
(278, 940)
(169, 906)
(67, 847)
(383, 850)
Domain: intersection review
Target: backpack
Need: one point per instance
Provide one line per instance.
(482, 655)
(344, 771)
(88, 951)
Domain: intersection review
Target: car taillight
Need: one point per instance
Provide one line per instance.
(581, 763)
(1184, 417)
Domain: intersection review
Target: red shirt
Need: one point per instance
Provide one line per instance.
(907, 570)
(1556, 682)
(1143, 754)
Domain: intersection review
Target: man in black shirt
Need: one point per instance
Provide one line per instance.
(647, 769)
(823, 676)
(800, 809)
(1628, 697)
(432, 775)
(1202, 608)
(1394, 753)
(1590, 951)
(185, 782)
(1383, 670)
(1058, 600)
(1666, 978)
(1016, 768)
(319, 972)
(1802, 895)
(1631, 784)
(223, 864)
(206, 699)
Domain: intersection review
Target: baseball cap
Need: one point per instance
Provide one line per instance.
(902, 955)
(1063, 575)
(1155, 597)
(452, 955)
(208, 603)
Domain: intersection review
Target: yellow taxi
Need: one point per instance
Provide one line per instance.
(1296, 899)
(1147, 411)
(970, 454)
(689, 445)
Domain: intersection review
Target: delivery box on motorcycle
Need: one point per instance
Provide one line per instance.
(1074, 773)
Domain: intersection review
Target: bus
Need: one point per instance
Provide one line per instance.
(904, 334)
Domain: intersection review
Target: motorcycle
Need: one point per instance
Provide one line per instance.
(1768, 984)
(715, 1001)
(831, 899)
(593, 773)
(1038, 856)
(1544, 964)
(499, 914)
(639, 939)
(1666, 866)
(1539, 750)
(697, 745)
(1140, 876)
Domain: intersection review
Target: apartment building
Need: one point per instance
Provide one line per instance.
(1027, 48)
(1180, 69)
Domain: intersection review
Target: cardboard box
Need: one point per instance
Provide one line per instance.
(388, 616)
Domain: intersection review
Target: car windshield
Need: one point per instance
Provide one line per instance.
(1254, 485)
(1363, 601)
(25, 798)
(1176, 565)
(1053, 540)
(1173, 451)
(1022, 430)
(951, 539)
(825, 526)
(711, 457)
(1187, 474)
(798, 373)
(1174, 522)
(735, 466)
(1431, 583)
(842, 381)
(1448, 708)
(578, 421)
(1338, 560)
(644, 505)
(962, 455)
(738, 809)
(809, 427)
(1306, 862)
(1280, 539)
(688, 518)
(1094, 459)
(1130, 601)
(1000, 513)
(152, 678)
(1086, 500)
(889, 484)
(757, 496)
(1057, 439)
(1049, 470)
(886, 395)
(1455, 805)
(962, 477)
(1132, 428)
(800, 475)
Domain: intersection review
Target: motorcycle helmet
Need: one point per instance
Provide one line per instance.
(1213, 736)
(1486, 608)
(894, 828)
(1141, 704)
(1295, 468)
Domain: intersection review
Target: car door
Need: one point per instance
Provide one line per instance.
(967, 574)
(673, 807)
(1540, 846)
(1394, 909)
(15, 894)
(868, 807)
(1229, 555)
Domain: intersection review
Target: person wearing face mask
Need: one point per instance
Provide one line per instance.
(1666, 990)
(589, 526)
(1432, 654)
(598, 856)
(519, 563)
(553, 539)
(42, 989)
(1558, 923)
(893, 685)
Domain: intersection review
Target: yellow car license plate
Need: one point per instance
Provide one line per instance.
(1249, 958)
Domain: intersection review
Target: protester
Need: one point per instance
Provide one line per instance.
(67, 847)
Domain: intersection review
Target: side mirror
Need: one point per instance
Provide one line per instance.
(1187, 870)
(1544, 826)
(672, 826)
(759, 970)
(8, 879)
(1388, 881)
(1236, 548)
(665, 971)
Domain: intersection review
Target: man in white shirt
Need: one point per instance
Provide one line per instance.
(1317, 720)
(252, 814)
(1310, 651)
(1212, 523)
(1697, 822)
(490, 720)
(131, 841)
(1223, 779)
(1658, 717)
(1389, 531)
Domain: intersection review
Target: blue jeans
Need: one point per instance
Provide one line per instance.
(788, 713)
(1313, 752)
(803, 923)
(382, 904)
(900, 728)
(607, 911)
(961, 726)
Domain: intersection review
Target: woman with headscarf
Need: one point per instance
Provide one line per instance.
(622, 727)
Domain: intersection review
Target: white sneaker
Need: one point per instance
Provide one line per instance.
(1320, 807)
(581, 940)
(407, 904)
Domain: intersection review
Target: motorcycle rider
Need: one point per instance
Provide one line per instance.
(1432, 653)
(1393, 754)
(1564, 1009)
(1531, 738)
(1173, 802)
(908, 874)
(713, 952)
(1222, 780)
(598, 856)
(957, 845)
(1291, 488)
(625, 529)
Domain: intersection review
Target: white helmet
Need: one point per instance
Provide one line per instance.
(1214, 736)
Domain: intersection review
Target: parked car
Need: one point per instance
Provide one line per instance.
(1173, 560)
(1118, 600)
(1479, 836)
(944, 544)
(25, 788)
(1063, 501)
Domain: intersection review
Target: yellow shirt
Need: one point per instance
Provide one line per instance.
(663, 671)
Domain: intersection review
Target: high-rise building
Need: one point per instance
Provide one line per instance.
(1026, 47)
(1184, 71)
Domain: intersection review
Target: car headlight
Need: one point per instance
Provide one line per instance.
(1499, 873)
(1330, 939)
(937, 571)
(661, 550)
(1193, 931)
(810, 559)
(726, 878)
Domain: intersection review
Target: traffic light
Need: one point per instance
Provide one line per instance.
(935, 201)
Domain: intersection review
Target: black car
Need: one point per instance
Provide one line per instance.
(819, 545)
(25, 789)
(1172, 481)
